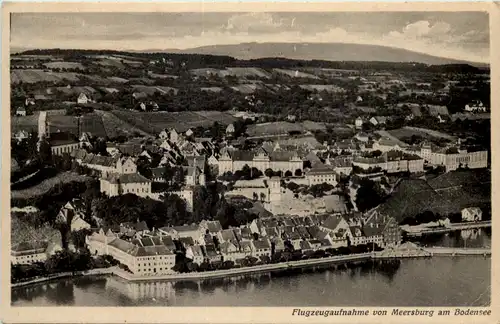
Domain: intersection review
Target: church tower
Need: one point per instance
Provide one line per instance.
(42, 125)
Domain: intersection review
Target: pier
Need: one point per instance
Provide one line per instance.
(413, 232)
(444, 251)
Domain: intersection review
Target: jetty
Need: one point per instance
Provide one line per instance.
(415, 231)
(445, 251)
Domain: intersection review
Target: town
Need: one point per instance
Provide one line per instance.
(162, 163)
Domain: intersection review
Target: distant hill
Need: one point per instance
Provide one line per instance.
(322, 51)
(194, 60)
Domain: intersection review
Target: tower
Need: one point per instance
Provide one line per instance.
(42, 125)
(274, 190)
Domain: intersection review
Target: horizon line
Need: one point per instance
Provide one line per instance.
(165, 50)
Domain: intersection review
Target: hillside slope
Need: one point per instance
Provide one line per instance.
(320, 51)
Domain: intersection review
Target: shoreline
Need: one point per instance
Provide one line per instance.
(216, 274)
(85, 273)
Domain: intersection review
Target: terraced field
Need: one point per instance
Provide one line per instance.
(238, 72)
(64, 65)
(296, 74)
(423, 132)
(33, 76)
(150, 90)
(155, 122)
(322, 87)
(448, 193)
(274, 129)
(115, 126)
(47, 184)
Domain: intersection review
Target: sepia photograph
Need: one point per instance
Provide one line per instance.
(250, 159)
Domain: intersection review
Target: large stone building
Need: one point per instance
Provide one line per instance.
(234, 160)
(120, 184)
(31, 252)
(391, 162)
(452, 158)
(154, 257)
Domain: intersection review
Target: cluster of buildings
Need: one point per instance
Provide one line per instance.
(153, 252)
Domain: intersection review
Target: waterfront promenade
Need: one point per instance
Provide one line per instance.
(247, 270)
(413, 252)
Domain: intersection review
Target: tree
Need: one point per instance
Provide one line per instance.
(168, 174)
(78, 237)
(45, 152)
(269, 173)
(179, 177)
(368, 195)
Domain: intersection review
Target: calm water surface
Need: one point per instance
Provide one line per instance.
(438, 281)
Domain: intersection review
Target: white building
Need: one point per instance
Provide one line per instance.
(83, 99)
(475, 107)
(472, 214)
(359, 123)
(378, 120)
(319, 175)
(157, 258)
(119, 184)
(232, 161)
(21, 111)
(452, 158)
(73, 212)
(391, 162)
(31, 252)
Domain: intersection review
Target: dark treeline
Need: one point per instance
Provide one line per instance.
(206, 60)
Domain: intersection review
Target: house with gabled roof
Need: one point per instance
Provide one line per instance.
(261, 247)
(230, 251)
(83, 99)
(381, 229)
(337, 228)
(195, 254)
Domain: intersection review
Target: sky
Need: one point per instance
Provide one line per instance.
(457, 35)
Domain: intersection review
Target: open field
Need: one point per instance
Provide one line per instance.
(233, 71)
(211, 89)
(423, 132)
(150, 90)
(47, 184)
(155, 122)
(295, 74)
(93, 124)
(27, 123)
(274, 129)
(246, 88)
(322, 87)
(438, 110)
(117, 80)
(33, 76)
(114, 126)
(64, 65)
(313, 126)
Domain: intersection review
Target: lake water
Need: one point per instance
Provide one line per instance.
(438, 281)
